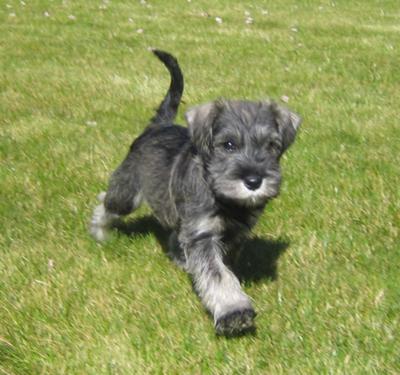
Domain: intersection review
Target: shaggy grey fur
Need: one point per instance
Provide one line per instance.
(208, 184)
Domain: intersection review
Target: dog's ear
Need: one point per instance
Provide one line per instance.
(200, 121)
(288, 124)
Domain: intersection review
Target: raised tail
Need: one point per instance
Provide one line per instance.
(166, 112)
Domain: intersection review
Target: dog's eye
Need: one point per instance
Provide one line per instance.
(229, 146)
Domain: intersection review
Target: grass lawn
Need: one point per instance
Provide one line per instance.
(77, 84)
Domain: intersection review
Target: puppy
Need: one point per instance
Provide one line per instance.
(208, 184)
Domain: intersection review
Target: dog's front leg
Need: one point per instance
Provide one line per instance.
(217, 286)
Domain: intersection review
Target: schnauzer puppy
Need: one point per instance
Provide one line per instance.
(208, 184)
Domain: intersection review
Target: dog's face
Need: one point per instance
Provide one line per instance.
(241, 143)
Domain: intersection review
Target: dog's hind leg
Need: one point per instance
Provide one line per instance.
(123, 197)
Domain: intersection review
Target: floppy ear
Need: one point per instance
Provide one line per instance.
(200, 121)
(288, 124)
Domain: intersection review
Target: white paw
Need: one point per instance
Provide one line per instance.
(99, 234)
(101, 221)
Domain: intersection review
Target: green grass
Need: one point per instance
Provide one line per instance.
(77, 84)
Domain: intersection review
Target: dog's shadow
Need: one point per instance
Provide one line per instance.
(258, 260)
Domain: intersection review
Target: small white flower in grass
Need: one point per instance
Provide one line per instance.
(46, 14)
(246, 13)
(379, 297)
(130, 20)
(12, 14)
(218, 20)
(91, 123)
(249, 20)
(50, 264)
(40, 282)
(280, 297)
(23, 3)
(143, 2)
(72, 17)
(140, 31)
(285, 98)
(294, 29)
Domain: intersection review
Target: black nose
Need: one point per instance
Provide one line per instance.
(252, 181)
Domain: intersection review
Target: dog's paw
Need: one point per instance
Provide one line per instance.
(99, 233)
(236, 323)
(101, 220)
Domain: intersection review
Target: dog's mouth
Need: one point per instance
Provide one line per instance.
(253, 194)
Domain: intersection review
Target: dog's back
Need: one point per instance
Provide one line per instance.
(153, 154)
(145, 172)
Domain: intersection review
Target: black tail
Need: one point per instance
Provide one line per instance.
(166, 112)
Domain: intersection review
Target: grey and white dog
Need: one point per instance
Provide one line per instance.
(208, 184)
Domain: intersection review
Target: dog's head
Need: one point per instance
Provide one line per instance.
(241, 143)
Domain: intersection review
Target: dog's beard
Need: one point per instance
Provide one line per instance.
(236, 190)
